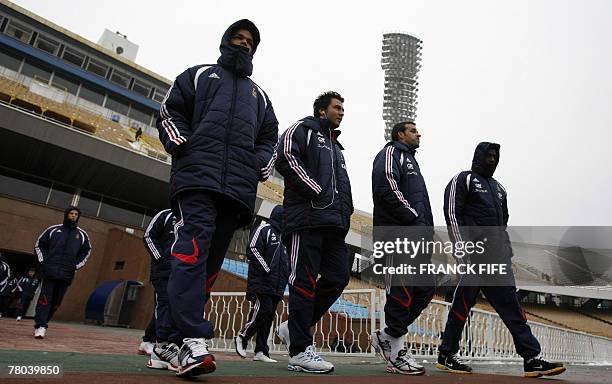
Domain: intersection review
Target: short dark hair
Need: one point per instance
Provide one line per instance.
(400, 127)
(324, 100)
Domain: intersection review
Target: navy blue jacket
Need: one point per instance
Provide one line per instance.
(158, 239)
(474, 198)
(221, 130)
(398, 188)
(10, 287)
(317, 186)
(5, 275)
(62, 249)
(268, 260)
(27, 286)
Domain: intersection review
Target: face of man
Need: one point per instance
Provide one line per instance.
(243, 38)
(410, 136)
(31, 273)
(73, 215)
(491, 158)
(334, 113)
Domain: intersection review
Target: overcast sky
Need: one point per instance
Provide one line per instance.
(534, 76)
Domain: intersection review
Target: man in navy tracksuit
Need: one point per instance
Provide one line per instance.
(475, 199)
(27, 288)
(268, 274)
(318, 206)
(401, 200)
(221, 130)
(158, 239)
(61, 249)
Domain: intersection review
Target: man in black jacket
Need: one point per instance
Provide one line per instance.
(268, 274)
(62, 249)
(158, 240)
(318, 206)
(221, 130)
(27, 288)
(401, 200)
(475, 208)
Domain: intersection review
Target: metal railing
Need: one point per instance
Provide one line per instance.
(345, 330)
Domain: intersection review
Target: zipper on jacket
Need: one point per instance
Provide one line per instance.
(497, 211)
(227, 131)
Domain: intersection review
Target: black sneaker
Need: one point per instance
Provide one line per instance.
(537, 367)
(453, 364)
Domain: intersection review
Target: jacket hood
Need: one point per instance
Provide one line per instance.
(479, 164)
(234, 57)
(68, 223)
(276, 218)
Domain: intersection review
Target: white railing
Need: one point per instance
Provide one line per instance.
(346, 328)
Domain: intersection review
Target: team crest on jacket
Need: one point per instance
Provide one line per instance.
(254, 93)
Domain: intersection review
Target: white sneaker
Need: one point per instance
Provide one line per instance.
(164, 356)
(405, 364)
(309, 361)
(40, 332)
(282, 331)
(240, 346)
(381, 345)
(145, 348)
(18, 318)
(195, 359)
(260, 356)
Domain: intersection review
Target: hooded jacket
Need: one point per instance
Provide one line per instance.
(5, 275)
(398, 188)
(475, 199)
(268, 261)
(158, 239)
(62, 249)
(220, 127)
(317, 186)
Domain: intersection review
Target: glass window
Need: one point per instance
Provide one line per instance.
(47, 44)
(120, 78)
(141, 88)
(97, 67)
(117, 105)
(140, 114)
(61, 196)
(92, 94)
(10, 61)
(36, 71)
(159, 95)
(66, 83)
(89, 203)
(74, 57)
(121, 212)
(23, 186)
(18, 31)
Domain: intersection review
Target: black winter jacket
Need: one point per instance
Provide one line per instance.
(158, 239)
(27, 286)
(317, 186)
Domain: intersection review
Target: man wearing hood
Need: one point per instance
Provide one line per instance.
(318, 205)
(268, 274)
(401, 200)
(476, 208)
(220, 128)
(61, 249)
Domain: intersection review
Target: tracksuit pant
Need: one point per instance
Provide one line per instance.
(404, 304)
(314, 252)
(150, 335)
(205, 225)
(505, 302)
(164, 328)
(24, 304)
(260, 320)
(51, 295)
(5, 303)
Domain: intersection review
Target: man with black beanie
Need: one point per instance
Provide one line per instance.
(61, 249)
(220, 128)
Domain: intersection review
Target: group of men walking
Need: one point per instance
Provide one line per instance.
(221, 130)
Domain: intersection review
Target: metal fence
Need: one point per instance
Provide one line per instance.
(346, 327)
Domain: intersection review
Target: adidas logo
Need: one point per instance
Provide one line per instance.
(476, 180)
(214, 76)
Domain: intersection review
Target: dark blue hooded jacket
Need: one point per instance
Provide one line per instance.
(268, 261)
(27, 287)
(317, 186)
(158, 239)
(62, 249)
(398, 188)
(220, 127)
(475, 199)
